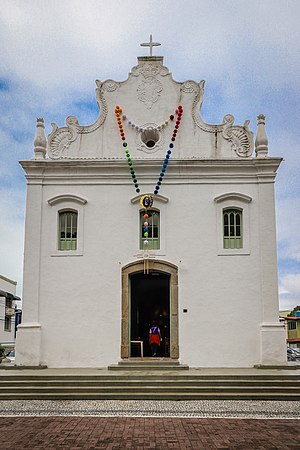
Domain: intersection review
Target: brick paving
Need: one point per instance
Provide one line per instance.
(93, 433)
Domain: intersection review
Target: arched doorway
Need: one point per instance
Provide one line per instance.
(149, 301)
(147, 296)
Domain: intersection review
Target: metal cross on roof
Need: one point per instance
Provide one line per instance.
(150, 44)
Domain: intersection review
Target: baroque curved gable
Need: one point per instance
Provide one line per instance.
(148, 97)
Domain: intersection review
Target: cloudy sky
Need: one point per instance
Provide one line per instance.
(52, 51)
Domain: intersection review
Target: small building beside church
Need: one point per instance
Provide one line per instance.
(150, 214)
(292, 324)
(8, 311)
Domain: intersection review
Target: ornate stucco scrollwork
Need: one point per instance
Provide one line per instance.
(146, 70)
(190, 87)
(240, 136)
(60, 139)
(72, 123)
(197, 104)
(105, 86)
(108, 85)
(149, 90)
(149, 69)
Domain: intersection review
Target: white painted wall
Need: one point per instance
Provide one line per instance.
(79, 307)
(72, 300)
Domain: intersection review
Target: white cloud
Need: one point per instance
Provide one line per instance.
(61, 44)
(289, 291)
(288, 226)
(288, 196)
(11, 235)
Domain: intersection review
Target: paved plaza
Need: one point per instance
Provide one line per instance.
(108, 424)
(146, 424)
(76, 433)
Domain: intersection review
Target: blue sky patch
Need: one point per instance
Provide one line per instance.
(4, 85)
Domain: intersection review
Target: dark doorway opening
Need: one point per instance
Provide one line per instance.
(150, 300)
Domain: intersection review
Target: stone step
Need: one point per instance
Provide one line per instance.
(152, 364)
(129, 385)
(148, 382)
(102, 374)
(75, 395)
(153, 361)
(154, 388)
(147, 375)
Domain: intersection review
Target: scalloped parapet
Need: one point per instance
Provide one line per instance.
(148, 97)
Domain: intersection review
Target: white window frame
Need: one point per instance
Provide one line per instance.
(233, 200)
(63, 203)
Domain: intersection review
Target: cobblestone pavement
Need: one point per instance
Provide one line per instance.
(79, 433)
(249, 409)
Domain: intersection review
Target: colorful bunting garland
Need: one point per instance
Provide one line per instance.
(146, 200)
(118, 112)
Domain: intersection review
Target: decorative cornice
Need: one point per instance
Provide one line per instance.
(115, 163)
(180, 172)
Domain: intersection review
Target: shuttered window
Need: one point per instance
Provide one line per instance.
(67, 235)
(233, 228)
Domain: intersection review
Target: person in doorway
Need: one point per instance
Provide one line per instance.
(154, 338)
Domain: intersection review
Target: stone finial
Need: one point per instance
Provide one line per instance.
(40, 140)
(261, 141)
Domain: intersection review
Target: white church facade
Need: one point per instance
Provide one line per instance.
(150, 214)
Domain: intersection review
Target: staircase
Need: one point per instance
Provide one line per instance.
(159, 380)
(148, 364)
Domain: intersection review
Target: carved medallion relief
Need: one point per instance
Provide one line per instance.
(149, 90)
